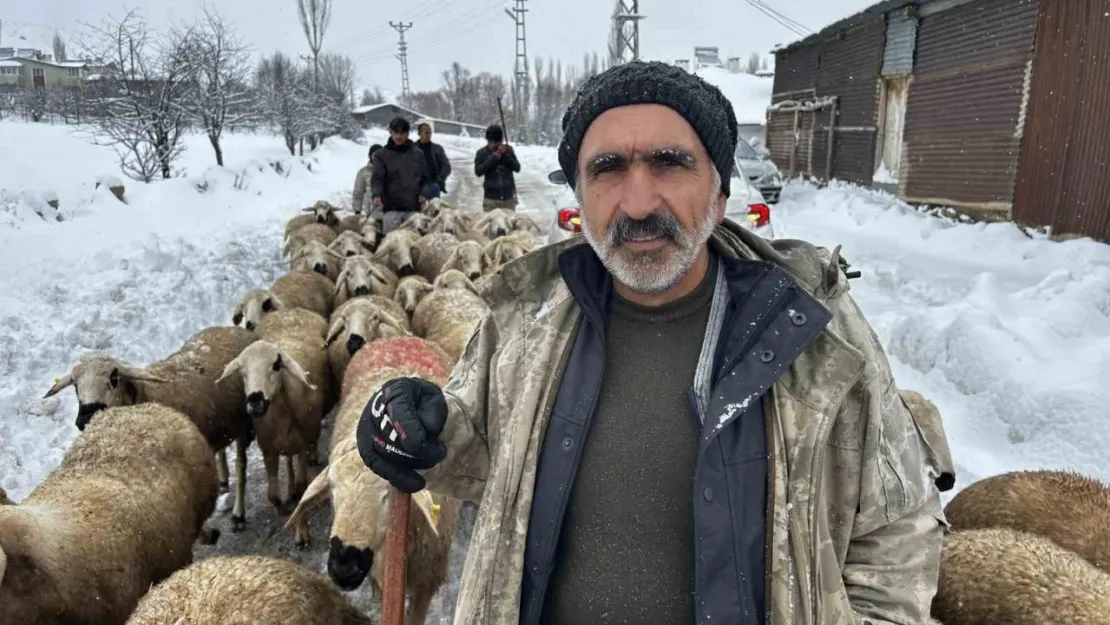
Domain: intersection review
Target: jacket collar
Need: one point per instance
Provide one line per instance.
(390, 145)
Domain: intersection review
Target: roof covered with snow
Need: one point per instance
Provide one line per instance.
(10, 63)
(362, 110)
(750, 95)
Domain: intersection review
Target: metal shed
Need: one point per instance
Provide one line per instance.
(381, 114)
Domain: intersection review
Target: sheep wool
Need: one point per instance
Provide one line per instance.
(1006, 576)
(120, 513)
(1068, 508)
(431, 252)
(246, 590)
(449, 314)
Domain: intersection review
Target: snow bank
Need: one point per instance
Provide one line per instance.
(1009, 335)
(750, 95)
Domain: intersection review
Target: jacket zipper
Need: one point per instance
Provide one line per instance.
(769, 512)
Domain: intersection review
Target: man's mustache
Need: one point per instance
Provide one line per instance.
(661, 225)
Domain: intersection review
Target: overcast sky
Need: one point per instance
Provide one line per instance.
(476, 33)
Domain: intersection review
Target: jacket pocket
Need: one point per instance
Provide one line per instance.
(903, 458)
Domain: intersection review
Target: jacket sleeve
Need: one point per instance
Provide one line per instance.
(377, 177)
(513, 163)
(893, 561)
(483, 161)
(444, 167)
(463, 473)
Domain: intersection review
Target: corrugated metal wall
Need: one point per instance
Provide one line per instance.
(1064, 173)
(964, 111)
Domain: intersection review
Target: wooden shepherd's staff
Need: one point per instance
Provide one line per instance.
(396, 550)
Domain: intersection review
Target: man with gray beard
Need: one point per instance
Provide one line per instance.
(674, 421)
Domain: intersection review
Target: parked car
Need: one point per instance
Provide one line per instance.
(745, 205)
(760, 171)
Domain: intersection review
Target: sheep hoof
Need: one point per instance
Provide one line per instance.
(224, 487)
(301, 544)
(238, 523)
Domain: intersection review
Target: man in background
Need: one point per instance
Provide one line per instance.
(398, 177)
(362, 182)
(435, 160)
(497, 163)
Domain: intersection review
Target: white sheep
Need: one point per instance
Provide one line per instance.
(360, 499)
(395, 251)
(417, 223)
(371, 231)
(433, 206)
(185, 381)
(352, 243)
(496, 223)
(1002, 576)
(469, 258)
(410, 290)
(450, 222)
(121, 512)
(448, 314)
(351, 223)
(297, 289)
(358, 322)
(246, 590)
(305, 234)
(315, 256)
(523, 223)
(431, 252)
(362, 276)
(507, 248)
(320, 213)
(287, 385)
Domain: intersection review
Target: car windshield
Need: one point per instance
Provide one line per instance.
(744, 150)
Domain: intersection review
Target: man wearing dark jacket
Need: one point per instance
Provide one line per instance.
(435, 159)
(496, 163)
(670, 419)
(399, 177)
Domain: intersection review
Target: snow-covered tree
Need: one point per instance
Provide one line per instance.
(221, 95)
(59, 46)
(279, 96)
(337, 78)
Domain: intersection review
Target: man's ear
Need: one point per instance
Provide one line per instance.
(722, 204)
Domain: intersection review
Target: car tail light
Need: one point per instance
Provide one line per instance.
(570, 220)
(759, 215)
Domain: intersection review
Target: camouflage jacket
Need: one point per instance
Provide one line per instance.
(856, 523)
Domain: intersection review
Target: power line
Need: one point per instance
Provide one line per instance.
(403, 57)
(447, 33)
(773, 15)
(785, 18)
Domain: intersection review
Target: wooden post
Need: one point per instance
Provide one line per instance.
(396, 551)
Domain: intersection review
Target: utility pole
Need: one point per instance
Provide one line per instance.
(520, 70)
(403, 57)
(626, 25)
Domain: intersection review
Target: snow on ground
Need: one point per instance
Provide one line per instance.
(750, 95)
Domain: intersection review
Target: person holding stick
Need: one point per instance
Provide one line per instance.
(496, 163)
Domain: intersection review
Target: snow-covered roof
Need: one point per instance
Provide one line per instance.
(362, 110)
(10, 64)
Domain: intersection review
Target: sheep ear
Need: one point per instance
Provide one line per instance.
(334, 253)
(341, 279)
(142, 375)
(237, 315)
(231, 369)
(318, 490)
(59, 384)
(310, 209)
(428, 506)
(487, 261)
(294, 368)
(276, 303)
(335, 330)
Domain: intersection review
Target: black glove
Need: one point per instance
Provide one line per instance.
(398, 432)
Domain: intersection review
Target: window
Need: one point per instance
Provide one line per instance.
(36, 72)
(73, 72)
(9, 71)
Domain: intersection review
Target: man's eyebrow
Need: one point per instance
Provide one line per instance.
(671, 154)
(605, 159)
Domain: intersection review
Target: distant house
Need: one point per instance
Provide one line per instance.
(18, 71)
(995, 107)
(707, 56)
(381, 114)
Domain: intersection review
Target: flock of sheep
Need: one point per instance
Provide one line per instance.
(108, 537)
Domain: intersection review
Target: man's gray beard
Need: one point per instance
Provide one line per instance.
(654, 271)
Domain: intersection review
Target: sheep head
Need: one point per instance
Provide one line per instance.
(435, 206)
(454, 279)
(323, 213)
(363, 322)
(315, 256)
(265, 372)
(496, 223)
(418, 223)
(450, 222)
(410, 291)
(103, 382)
(524, 223)
(469, 258)
(505, 249)
(362, 276)
(254, 304)
(360, 508)
(368, 228)
(351, 243)
(395, 252)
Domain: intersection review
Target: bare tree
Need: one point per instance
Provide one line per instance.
(753, 63)
(141, 111)
(315, 16)
(337, 78)
(59, 46)
(369, 97)
(277, 78)
(221, 96)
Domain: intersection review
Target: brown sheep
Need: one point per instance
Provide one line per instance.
(431, 252)
(246, 590)
(448, 314)
(297, 289)
(185, 381)
(360, 499)
(306, 234)
(996, 576)
(286, 383)
(121, 512)
(395, 252)
(1068, 508)
(360, 321)
(410, 290)
(362, 276)
(321, 213)
(352, 243)
(315, 256)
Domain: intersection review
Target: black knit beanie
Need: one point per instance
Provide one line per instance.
(653, 82)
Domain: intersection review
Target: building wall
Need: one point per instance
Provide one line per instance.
(1063, 176)
(965, 111)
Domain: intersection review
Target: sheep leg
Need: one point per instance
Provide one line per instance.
(273, 485)
(239, 513)
(290, 481)
(208, 535)
(221, 469)
(419, 602)
(295, 497)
